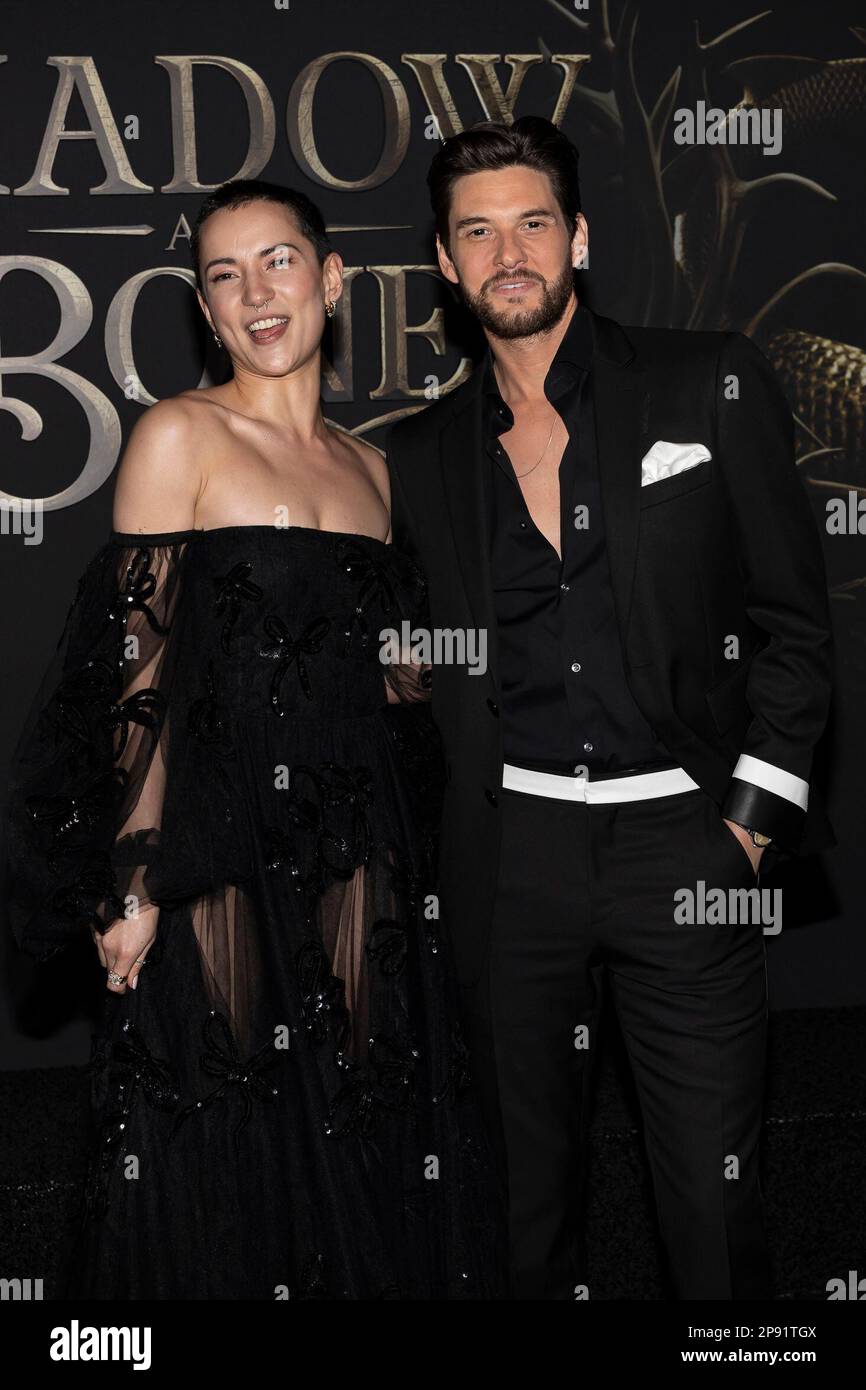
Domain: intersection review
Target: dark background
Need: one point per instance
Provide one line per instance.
(662, 251)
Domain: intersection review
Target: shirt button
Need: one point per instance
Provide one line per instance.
(565, 588)
(523, 525)
(587, 748)
(575, 666)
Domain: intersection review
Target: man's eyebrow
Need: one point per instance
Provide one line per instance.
(265, 251)
(530, 212)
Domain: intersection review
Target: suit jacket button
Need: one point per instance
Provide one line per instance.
(493, 707)
(491, 796)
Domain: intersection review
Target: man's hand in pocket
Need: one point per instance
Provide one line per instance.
(745, 839)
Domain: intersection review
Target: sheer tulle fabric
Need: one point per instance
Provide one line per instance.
(89, 773)
(213, 738)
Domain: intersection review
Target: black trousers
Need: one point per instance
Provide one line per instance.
(585, 887)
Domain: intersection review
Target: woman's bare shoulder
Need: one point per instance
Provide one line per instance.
(159, 477)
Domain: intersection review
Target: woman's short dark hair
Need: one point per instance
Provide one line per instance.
(531, 140)
(238, 192)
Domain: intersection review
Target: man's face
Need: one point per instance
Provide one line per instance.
(512, 257)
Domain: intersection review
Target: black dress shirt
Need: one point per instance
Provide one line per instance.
(564, 698)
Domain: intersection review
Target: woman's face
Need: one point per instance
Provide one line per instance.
(256, 266)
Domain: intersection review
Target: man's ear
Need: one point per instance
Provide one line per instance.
(446, 265)
(580, 242)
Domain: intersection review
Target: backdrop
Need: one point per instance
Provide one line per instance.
(116, 119)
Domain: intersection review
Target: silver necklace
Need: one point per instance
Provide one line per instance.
(543, 452)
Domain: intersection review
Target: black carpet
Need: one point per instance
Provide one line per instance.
(813, 1164)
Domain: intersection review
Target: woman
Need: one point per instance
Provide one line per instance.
(210, 783)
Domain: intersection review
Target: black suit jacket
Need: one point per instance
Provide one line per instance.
(728, 547)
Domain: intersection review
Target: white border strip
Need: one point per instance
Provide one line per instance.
(639, 786)
(772, 779)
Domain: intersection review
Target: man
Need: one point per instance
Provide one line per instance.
(619, 508)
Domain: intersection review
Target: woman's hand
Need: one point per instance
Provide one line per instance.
(124, 946)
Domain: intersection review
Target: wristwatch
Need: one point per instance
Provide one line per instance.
(758, 840)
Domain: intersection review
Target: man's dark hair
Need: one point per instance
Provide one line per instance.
(238, 192)
(531, 140)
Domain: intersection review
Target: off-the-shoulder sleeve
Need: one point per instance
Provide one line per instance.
(88, 775)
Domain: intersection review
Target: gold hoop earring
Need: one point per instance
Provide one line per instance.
(329, 308)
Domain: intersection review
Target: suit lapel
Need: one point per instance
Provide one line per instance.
(463, 462)
(621, 402)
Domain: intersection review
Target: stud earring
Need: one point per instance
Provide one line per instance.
(217, 339)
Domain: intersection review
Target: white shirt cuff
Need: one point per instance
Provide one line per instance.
(772, 779)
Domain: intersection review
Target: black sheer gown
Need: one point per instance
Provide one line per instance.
(282, 1107)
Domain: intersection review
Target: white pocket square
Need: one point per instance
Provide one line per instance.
(665, 460)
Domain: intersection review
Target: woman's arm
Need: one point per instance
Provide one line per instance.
(88, 776)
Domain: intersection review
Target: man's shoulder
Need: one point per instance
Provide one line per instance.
(660, 346)
(702, 353)
(422, 426)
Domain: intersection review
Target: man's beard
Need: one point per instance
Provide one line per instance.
(555, 296)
